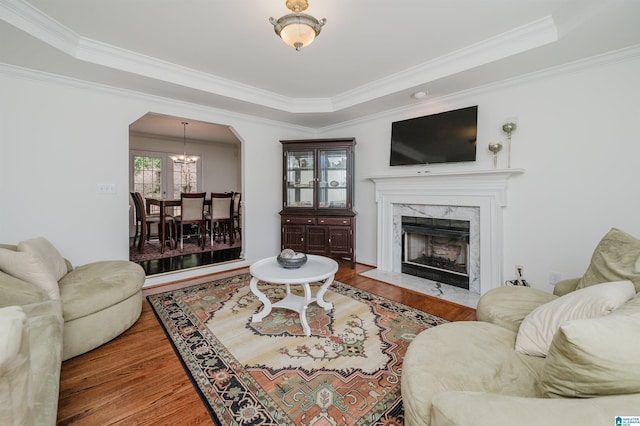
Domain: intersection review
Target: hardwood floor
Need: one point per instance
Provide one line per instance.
(136, 379)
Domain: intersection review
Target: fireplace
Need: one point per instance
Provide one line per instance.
(477, 196)
(436, 249)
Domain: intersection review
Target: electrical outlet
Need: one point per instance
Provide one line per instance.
(554, 277)
(519, 271)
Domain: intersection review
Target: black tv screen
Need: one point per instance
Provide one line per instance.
(447, 137)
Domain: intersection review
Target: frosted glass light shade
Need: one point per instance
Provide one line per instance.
(297, 30)
(298, 35)
(184, 158)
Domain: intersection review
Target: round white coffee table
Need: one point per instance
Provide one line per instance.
(317, 269)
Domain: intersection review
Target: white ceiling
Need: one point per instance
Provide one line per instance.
(370, 56)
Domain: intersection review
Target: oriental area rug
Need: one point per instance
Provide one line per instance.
(270, 373)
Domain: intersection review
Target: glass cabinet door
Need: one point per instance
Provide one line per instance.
(332, 179)
(300, 179)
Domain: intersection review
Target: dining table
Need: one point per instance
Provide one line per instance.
(163, 203)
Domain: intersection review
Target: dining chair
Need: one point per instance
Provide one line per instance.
(220, 217)
(191, 213)
(144, 221)
(237, 224)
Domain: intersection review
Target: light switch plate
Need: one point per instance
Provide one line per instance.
(106, 188)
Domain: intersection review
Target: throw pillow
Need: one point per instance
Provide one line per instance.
(615, 258)
(594, 357)
(29, 268)
(41, 247)
(538, 328)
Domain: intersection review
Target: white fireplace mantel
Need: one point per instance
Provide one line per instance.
(483, 189)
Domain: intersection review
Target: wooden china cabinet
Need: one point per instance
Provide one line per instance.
(317, 197)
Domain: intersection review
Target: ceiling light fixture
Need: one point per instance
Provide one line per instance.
(297, 29)
(184, 158)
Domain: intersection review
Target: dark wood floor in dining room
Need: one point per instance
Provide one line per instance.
(136, 379)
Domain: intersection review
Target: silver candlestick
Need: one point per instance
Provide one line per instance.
(509, 128)
(495, 148)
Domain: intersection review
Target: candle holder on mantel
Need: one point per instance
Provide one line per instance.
(495, 148)
(509, 128)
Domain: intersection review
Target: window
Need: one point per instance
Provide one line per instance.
(153, 174)
(185, 178)
(147, 176)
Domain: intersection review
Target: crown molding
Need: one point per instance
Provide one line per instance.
(605, 59)
(13, 71)
(621, 55)
(526, 37)
(32, 21)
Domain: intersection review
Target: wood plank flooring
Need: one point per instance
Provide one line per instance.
(136, 379)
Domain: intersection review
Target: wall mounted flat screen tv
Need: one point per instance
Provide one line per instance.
(447, 137)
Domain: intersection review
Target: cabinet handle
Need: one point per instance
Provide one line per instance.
(287, 220)
(308, 220)
(344, 221)
(322, 221)
(329, 240)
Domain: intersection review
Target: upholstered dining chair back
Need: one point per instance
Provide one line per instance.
(144, 221)
(138, 203)
(237, 197)
(140, 213)
(191, 213)
(237, 223)
(221, 216)
(221, 208)
(192, 206)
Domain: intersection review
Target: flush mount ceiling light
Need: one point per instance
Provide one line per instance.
(297, 29)
(184, 158)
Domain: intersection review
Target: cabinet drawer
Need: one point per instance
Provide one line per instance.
(334, 221)
(298, 220)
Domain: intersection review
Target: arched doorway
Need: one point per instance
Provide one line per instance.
(153, 139)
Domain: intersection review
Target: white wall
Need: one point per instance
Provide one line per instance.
(577, 138)
(60, 139)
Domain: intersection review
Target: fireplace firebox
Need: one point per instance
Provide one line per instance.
(436, 249)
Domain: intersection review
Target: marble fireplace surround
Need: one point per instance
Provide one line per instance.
(477, 196)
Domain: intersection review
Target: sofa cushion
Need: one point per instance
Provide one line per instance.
(508, 306)
(41, 248)
(595, 357)
(17, 292)
(45, 342)
(15, 384)
(615, 258)
(490, 409)
(99, 285)
(538, 328)
(466, 355)
(30, 268)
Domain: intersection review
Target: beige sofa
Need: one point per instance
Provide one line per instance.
(476, 373)
(96, 303)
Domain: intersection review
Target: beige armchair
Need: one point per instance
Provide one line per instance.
(476, 373)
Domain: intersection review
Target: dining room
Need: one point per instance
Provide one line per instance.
(172, 156)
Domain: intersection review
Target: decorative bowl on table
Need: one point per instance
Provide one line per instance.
(291, 260)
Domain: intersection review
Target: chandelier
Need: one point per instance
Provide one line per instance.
(297, 29)
(184, 158)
